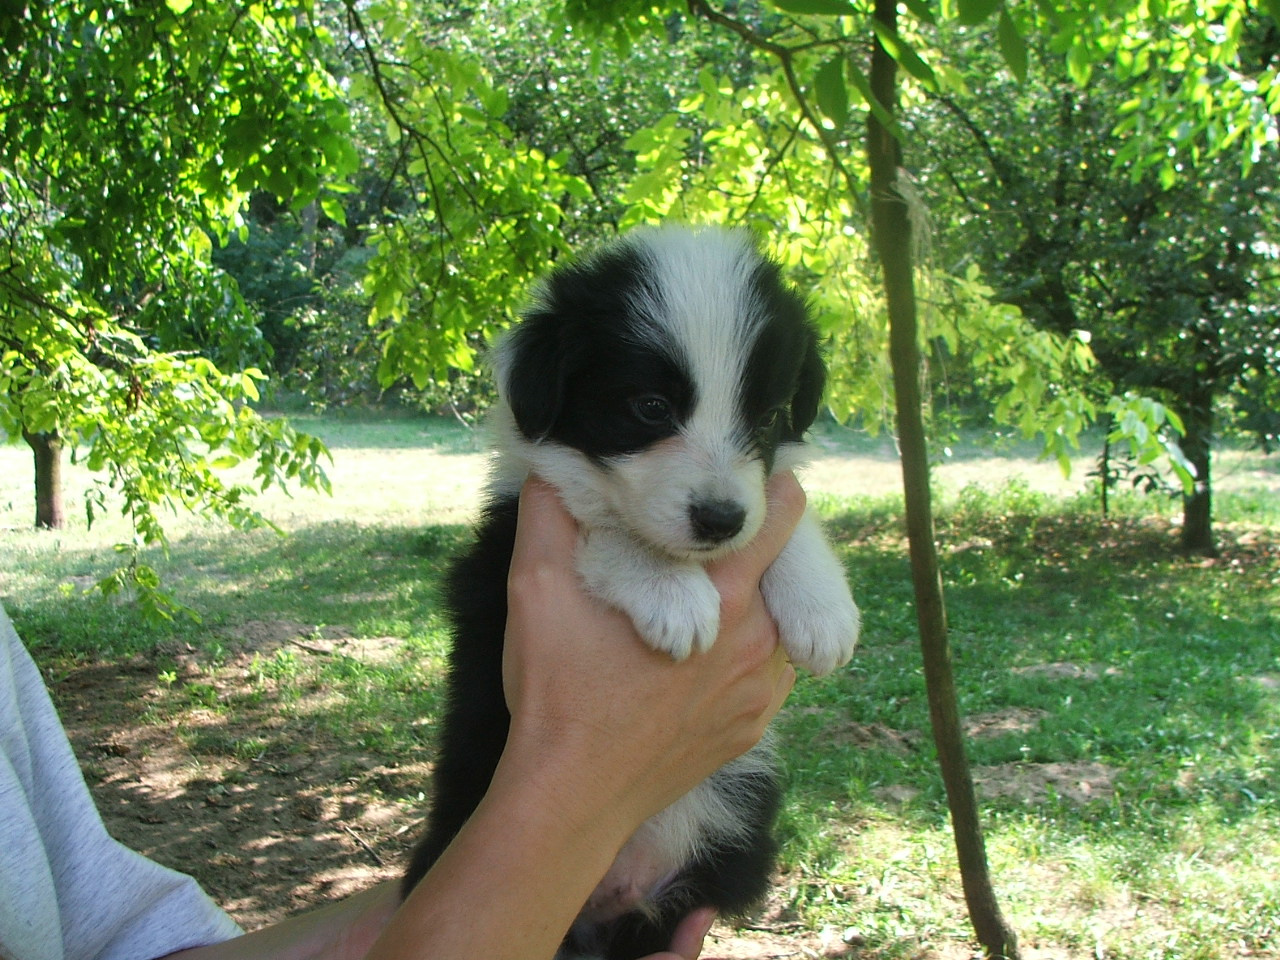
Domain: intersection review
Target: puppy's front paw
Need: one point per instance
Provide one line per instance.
(808, 595)
(675, 608)
(819, 629)
(677, 614)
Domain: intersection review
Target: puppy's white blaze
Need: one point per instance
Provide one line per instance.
(699, 306)
(700, 303)
(701, 291)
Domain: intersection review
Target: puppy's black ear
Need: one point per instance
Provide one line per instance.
(531, 362)
(809, 386)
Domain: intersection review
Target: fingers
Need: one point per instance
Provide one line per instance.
(742, 570)
(540, 579)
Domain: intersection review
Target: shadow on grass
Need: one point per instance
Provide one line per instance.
(279, 749)
(268, 807)
(1165, 668)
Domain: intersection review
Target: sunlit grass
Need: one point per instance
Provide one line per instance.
(1165, 669)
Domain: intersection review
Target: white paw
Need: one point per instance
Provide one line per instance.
(819, 632)
(677, 614)
(808, 595)
(675, 608)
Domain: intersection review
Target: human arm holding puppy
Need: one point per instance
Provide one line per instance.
(604, 734)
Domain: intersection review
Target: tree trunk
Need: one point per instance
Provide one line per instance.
(47, 448)
(891, 234)
(1197, 506)
(310, 220)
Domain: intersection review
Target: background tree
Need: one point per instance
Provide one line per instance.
(1173, 279)
(133, 135)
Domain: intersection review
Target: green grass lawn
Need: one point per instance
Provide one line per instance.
(1124, 701)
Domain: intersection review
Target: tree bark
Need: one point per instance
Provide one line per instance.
(309, 219)
(1197, 506)
(47, 449)
(891, 234)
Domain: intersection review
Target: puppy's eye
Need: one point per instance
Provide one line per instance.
(770, 419)
(652, 410)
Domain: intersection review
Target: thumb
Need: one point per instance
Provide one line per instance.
(686, 942)
(545, 531)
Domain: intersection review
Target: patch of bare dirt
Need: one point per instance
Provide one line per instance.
(1265, 681)
(730, 944)
(872, 736)
(266, 833)
(1065, 670)
(776, 935)
(999, 723)
(1076, 781)
(266, 636)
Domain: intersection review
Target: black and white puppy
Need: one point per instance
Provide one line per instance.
(656, 384)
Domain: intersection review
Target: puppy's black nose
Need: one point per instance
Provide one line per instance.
(716, 520)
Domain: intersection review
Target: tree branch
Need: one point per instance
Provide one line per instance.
(786, 60)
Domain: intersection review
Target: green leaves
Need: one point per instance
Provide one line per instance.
(1150, 430)
(449, 272)
(973, 12)
(1012, 46)
(826, 8)
(905, 54)
(134, 135)
(1079, 64)
(334, 210)
(832, 95)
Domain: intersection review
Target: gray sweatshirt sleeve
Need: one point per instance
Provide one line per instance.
(68, 891)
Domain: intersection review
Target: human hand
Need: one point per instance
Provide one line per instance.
(625, 729)
(686, 942)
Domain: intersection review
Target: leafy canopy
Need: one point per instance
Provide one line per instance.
(133, 134)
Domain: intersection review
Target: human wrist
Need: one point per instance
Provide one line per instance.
(530, 854)
(558, 768)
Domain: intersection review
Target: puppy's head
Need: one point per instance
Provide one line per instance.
(659, 378)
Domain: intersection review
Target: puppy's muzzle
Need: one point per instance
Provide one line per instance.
(715, 521)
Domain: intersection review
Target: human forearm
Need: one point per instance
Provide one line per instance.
(342, 930)
(519, 871)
